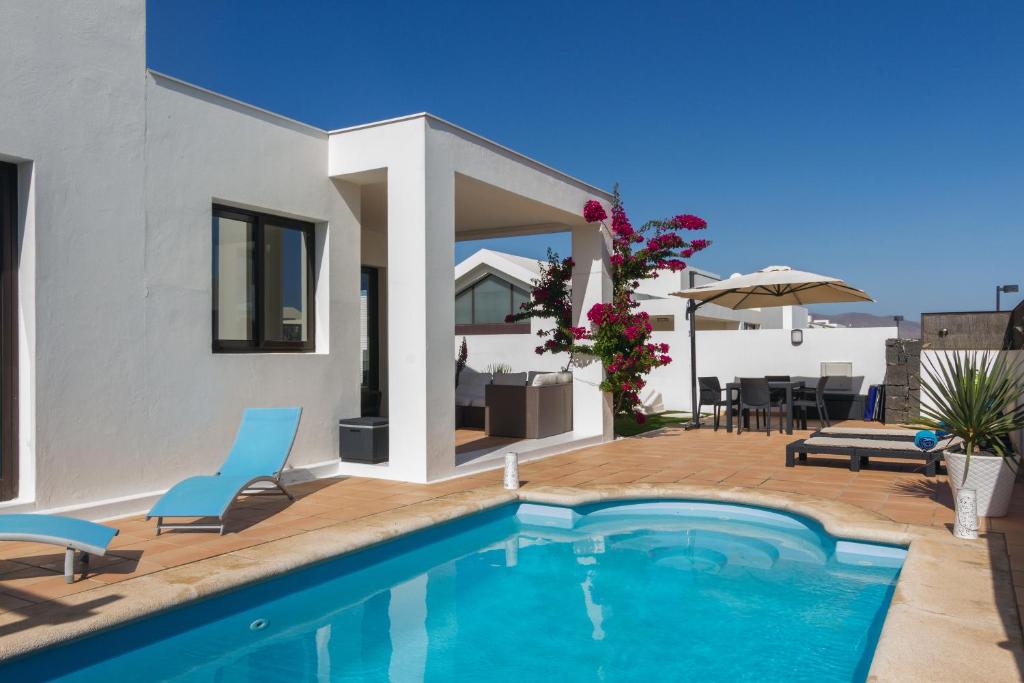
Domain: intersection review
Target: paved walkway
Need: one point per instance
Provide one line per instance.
(32, 573)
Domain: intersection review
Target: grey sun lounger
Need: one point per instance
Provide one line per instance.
(258, 455)
(87, 538)
(859, 450)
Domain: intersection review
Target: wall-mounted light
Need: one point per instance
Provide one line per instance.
(797, 337)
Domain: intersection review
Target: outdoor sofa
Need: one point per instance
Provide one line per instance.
(525, 407)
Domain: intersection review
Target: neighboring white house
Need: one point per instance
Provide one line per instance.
(730, 343)
(182, 255)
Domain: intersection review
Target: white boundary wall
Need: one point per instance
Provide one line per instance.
(727, 354)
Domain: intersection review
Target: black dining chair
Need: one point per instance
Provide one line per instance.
(813, 398)
(756, 395)
(711, 395)
(778, 394)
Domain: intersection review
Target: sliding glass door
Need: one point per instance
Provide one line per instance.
(369, 340)
(8, 331)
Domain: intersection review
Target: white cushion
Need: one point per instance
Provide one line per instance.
(551, 378)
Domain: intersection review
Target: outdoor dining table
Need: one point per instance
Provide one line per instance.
(733, 392)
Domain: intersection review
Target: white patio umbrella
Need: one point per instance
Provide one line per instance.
(767, 288)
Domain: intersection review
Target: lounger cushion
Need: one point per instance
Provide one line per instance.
(65, 531)
(872, 433)
(204, 496)
(870, 444)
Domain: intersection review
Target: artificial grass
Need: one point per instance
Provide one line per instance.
(626, 425)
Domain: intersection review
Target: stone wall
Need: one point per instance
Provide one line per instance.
(902, 380)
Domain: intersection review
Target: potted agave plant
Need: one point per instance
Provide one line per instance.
(974, 397)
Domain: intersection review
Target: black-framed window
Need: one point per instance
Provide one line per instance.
(8, 331)
(263, 282)
(487, 301)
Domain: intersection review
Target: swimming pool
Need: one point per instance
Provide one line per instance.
(649, 590)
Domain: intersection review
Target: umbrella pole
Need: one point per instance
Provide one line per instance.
(691, 316)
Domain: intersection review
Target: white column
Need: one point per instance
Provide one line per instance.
(591, 284)
(786, 321)
(421, 317)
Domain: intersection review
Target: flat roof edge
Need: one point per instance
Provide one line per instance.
(605, 194)
(240, 103)
(373, 124)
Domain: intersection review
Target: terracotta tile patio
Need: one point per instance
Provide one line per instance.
(32, 573)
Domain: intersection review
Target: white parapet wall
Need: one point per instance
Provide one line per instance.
(726, 354)
(755, 353)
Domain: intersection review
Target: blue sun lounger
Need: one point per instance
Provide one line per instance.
(261, 448)
(88, 538)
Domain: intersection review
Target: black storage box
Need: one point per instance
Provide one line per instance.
(363, 439)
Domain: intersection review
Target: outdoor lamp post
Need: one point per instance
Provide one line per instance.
(898, 319)
(1007, 289)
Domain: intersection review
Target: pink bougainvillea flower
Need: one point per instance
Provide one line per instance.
(620, 223)
(688, 221)
(593, 211)
(616, 260)
(698, 245)
(639, 417)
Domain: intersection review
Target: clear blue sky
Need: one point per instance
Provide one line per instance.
(879, 142)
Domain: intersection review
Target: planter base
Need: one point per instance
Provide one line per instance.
(988, 475)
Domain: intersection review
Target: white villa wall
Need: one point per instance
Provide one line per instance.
(205, 149)
(755, 353)
(516, 350)
(121, 395)
(72, 115)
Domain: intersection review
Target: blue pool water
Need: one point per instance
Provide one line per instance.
(647, 591)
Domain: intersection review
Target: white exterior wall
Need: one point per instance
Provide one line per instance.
(727, 354)
(421, 156)
(72, 115)
(207, 151)
(516, 350)
(120, 393)
(755, 353)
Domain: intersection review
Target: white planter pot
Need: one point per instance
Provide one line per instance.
(989, 475)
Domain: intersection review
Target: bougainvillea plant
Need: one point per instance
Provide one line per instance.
(551, 299)
(619, 334)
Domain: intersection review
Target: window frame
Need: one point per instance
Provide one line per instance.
(474, 327)
(258, 222)
(9, 257)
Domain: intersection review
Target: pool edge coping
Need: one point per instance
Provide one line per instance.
(947, 619)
